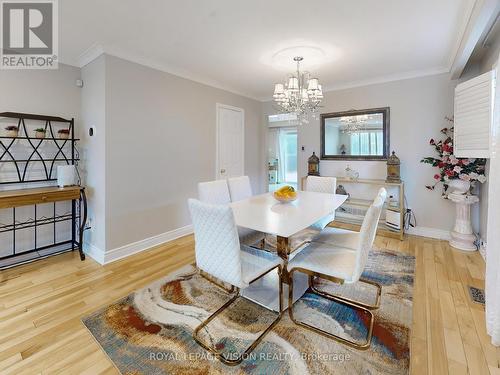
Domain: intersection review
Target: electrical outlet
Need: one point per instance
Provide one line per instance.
(90, 225)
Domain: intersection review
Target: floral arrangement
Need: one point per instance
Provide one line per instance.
(451, 167)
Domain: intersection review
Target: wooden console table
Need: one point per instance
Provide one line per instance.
(49, 194)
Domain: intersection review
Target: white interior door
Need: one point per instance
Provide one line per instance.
(230, 142)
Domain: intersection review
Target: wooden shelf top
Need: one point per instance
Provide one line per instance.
(41, 139)
(31, 116)
(26, 197)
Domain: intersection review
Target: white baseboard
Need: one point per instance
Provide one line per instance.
(439, 234)
(147, 243)
(124, 251)
(94, 252)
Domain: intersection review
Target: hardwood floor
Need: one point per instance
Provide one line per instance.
(41, 305)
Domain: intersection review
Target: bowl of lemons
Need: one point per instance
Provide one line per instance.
(285, 194)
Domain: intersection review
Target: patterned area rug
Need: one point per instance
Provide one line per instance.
(149, 331)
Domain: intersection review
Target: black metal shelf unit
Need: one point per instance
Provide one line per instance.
(62, 154)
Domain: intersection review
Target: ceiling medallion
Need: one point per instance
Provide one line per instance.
(300, 94)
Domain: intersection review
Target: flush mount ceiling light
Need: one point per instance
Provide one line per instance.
(300, 94)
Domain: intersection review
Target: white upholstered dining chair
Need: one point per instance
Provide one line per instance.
(315, 184)
(214, 192)
(320, 184)
(343, 237)
(341, 265)
(218, 192)
(239, 188)
(219, 253)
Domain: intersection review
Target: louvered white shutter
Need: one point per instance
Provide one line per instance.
(474, 116)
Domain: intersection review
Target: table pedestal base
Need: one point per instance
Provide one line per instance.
(265, 291)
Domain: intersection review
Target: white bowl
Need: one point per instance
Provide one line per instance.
(284, 200)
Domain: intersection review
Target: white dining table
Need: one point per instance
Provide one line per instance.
(265, 214)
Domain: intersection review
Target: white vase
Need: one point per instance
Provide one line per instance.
(458, 186)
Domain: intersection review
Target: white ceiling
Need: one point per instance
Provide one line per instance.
(231, 43)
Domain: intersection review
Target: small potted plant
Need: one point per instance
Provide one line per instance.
(40, 133)
(11, 131)
(63, 133)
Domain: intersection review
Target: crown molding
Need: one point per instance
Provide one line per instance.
(380, 80)
(97, 49)
(482, 14)
(388, 78)
(90, 54)
(462, 32)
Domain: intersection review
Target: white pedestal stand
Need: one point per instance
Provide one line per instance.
(462, 236)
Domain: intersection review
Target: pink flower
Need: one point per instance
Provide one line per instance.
(464, 177)
(465, 161)
(457, 169)
(453, 160)
(437, 177)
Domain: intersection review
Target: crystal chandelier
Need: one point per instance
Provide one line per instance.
(353, 124)
(300, 94)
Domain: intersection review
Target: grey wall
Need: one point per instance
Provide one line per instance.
(418, 107)
(154, 140)
(160, 142)
(46, 92)
(49, 92)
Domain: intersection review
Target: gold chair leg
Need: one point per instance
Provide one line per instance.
(235, 361)
(362, 346)
(349, 300)
(216, 283)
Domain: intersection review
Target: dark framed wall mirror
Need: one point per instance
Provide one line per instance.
(355, 135)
